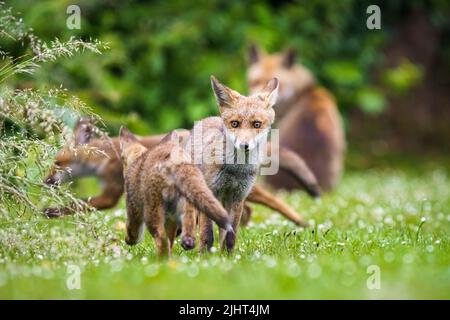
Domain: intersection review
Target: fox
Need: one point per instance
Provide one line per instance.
(88, 155)
(236, 132)
(155, 180)
(307, 116)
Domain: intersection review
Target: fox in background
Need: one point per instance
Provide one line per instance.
(88, 155)
(307, 117)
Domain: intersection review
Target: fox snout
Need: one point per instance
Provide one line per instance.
(51, 180)
(244, 140)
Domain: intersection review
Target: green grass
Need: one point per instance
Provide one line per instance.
(396, 220)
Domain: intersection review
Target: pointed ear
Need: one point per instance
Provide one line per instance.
(83, 131)
(171, 136)
(253, 54)
(289, 58)
(126, 137)
(224, 95)
(271, 91)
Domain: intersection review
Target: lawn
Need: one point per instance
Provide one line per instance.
(393, 221)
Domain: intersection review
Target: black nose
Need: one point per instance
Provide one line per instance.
(50, 181)
(244, 146)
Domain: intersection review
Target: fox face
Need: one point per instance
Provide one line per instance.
(246, 119)
(292, 77)
(69, 161)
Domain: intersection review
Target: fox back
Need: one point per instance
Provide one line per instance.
(307, 117)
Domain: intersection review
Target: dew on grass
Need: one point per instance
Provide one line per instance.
(314, 271)
(408, 258)
(270, 262)
(119, 213)
(293, 270)
(152, 270)
(389, 256)
(192, 270)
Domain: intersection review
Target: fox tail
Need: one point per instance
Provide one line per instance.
(191, 184)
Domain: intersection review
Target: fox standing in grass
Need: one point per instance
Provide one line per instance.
(307, 117)
(87, 155)
(242, 124)
(155, 182)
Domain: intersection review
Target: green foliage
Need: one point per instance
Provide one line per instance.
(155, 77)
(404, 77)
(33, 122)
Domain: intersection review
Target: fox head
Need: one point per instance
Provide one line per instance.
(246, 119)
(130, 148)
(69, 161)
(293, 77)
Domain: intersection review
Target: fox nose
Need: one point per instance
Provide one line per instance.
(244, 146)
(50, 181)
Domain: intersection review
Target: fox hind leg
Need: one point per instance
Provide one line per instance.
(171, 231)
(206, 233)
(135, 224)
(228, 239)
(154, 219)
(188, 225)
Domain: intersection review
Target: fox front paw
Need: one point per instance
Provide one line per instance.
(188, 243)
(53, 212)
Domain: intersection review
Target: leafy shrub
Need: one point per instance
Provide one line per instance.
(33, 122)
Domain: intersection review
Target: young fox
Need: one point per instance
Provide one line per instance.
(155, 180)
(307, 117)
(90, 156)
(243, 121)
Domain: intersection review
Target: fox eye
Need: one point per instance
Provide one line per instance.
(257, 124)
(235, 124)
(57, 163)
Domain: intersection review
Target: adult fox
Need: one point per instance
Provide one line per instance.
(91, 156)
(307, 117)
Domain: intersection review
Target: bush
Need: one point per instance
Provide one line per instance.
(33, 122)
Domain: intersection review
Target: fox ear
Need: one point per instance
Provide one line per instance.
(224, 95)
(253, 54)
(83, 131)
(271, 91)
(125, 137)
(171, 136)
(289, 58)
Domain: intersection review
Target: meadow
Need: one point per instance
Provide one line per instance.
(392, 220)
(383, 233)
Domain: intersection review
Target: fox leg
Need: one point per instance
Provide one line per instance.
(188, 226)
(259, 195)
(111, 193)
(154, 219)
(228, 239)
(246, 215)
(171, 231)
(206, 232)
(135, 224)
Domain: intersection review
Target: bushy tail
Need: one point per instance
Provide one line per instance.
(191, 184)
